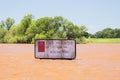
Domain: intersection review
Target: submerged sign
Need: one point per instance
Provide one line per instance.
(55, 49)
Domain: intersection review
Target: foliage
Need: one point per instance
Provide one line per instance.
(10, 35)
(7, 23)
(43, 28)
(108, 33)
(2, 34)
(24, 24)
(50, 28)
(81, 40)
(53, 28)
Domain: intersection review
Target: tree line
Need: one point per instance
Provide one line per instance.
(43, 28)
(48, 28)
(107, 33)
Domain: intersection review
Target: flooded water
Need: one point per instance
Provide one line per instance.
(93, 62)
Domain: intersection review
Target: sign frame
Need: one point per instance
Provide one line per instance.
(54, 58)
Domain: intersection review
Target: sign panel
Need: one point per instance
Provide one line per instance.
(55, 49)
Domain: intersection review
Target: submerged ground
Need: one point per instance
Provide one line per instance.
(93, 62)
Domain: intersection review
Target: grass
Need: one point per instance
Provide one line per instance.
(102, 40)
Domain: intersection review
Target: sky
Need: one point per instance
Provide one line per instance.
(94, 14)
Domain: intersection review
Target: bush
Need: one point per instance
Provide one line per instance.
(81, 40)
(38, 36)
(10, 39)
(21, 39)
(1, 40)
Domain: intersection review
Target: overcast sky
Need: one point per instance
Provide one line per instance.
(94, 14)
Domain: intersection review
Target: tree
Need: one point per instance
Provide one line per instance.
(22, 28)
(53, 28)
(108, 33)
(7, 23)
(98, 34)
(2, 24)
(39, 26)
(10, 36)
(24, 24)
(117, 33)
(2, 34)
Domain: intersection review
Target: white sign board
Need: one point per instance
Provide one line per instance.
(55, 49)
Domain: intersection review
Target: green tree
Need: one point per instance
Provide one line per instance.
(2, 34)
(24, 24)
(117, 32)
(54, 28)
(22, 28)
(10, 36)
(108, 33)
(7, 23)
(39, 26)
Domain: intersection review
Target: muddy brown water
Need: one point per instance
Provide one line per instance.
(93, 62)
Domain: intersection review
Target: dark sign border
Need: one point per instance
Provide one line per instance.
(54, 58)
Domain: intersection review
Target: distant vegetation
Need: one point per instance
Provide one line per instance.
(48, 28)
(107, 33)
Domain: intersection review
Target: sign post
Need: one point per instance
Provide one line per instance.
(55, 49)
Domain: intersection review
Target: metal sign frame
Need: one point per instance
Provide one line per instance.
(35, 52)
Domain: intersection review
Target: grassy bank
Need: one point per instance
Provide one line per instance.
(102, 40)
